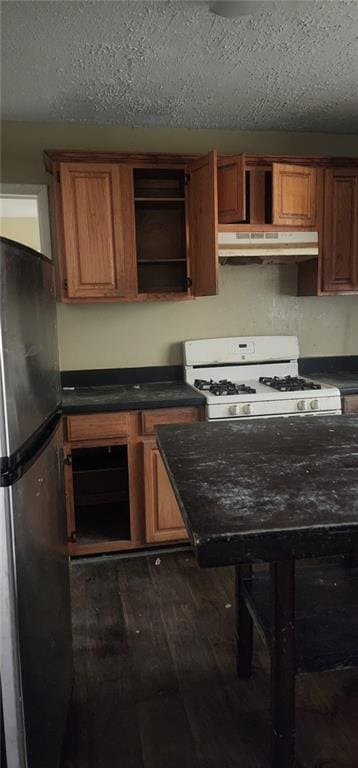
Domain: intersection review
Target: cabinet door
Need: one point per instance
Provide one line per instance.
(70, 504)
(99, 240)
(203, 225)
(163, 520)
(231, 189)
(350, 404)
(294, 195)
(340, 231)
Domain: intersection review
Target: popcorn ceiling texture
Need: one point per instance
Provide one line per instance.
(177, 64)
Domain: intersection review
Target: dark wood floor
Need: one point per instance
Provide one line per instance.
(155, 679)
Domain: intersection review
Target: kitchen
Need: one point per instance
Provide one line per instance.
(122, 363)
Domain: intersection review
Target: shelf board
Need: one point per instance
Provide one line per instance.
(84, 537)
(95, 470)
(97, 499)
(160, 261)
(159, 199)
(166, 291)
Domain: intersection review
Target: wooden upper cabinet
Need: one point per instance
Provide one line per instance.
(138, 227)
(161, 231)
(294, 195)
(141, 228)
(98, 230)
(340, 231)
(269, 193)
(203, 225)
(231, 189)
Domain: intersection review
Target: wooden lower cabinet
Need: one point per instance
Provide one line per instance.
(100, 498)
(350, 404)
(163, 520)
(118, 494)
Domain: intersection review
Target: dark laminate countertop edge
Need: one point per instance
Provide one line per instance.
(346, 391)
(349, 387)
(194, 538)
(340, 371)
(231, 546)
(148, 396)
(130, 406)
(252, 547)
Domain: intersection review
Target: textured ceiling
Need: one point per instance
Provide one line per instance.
(177, 64)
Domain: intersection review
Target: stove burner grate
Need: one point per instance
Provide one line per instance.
(288, 383)
(224, 387)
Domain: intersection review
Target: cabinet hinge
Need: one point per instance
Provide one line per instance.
(65, 284)
(57, 175)
(72, 537)
(68, 460)
(189, 282)
(186, 178)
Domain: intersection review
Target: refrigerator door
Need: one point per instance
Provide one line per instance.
(28, 344)
(36, 638)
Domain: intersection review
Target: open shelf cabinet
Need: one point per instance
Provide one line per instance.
(100, 494)
(134, 227)
(160, 224)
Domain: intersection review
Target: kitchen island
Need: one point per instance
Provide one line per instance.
(276, 490)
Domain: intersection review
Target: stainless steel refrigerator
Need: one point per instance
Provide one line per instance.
(36, 642)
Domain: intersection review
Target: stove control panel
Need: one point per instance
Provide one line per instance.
(308, 405)
(240, 410)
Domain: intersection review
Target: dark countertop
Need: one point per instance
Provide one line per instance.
(266, 490)
(339, 371)
(130, 398)
(347, 382)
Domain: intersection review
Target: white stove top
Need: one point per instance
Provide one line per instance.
(249, 359)
(263, 392)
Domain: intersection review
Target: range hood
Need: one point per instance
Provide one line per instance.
(267, 247)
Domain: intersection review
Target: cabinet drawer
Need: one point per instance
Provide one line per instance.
(350, 404)
(151, 419)
(97, 426)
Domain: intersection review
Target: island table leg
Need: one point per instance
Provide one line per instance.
(244, 625)
(282, 664)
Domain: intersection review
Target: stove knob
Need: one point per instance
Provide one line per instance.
(246, 409)
(301, 405)
(233, 410)
(314, 405)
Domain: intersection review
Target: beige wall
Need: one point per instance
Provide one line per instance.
(255, 300)
(24, 230)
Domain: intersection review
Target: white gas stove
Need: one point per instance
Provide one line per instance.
(255, 376)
